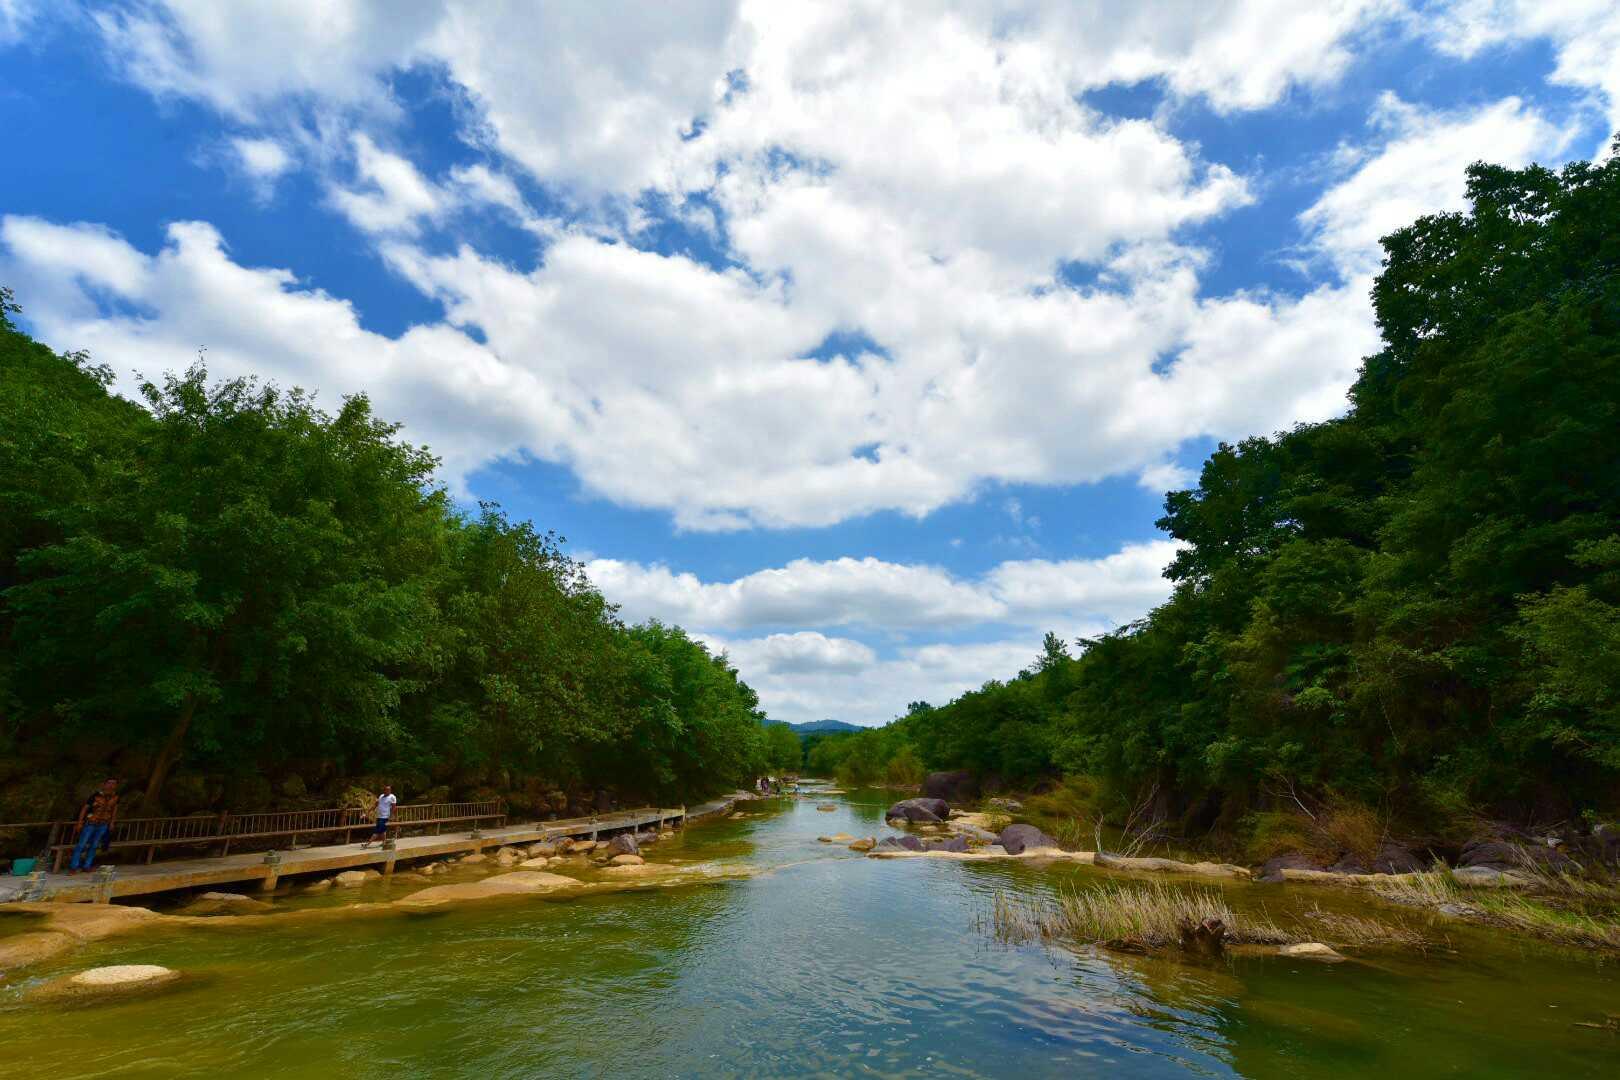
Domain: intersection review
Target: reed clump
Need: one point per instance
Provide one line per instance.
(1555, 906)
(1140, 917)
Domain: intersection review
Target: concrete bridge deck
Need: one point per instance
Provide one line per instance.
(266, 868)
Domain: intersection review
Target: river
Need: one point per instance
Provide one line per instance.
(824, 963)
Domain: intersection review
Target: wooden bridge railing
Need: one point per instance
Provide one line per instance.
(227, 828)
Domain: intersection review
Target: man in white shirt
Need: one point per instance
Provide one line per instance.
(385, 810)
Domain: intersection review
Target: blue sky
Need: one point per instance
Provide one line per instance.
(862, 340)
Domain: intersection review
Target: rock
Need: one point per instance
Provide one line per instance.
(413, 876)
(579, 847)
(1011, 806)
(977, 834)
(955, 843)
(823, 839)
(1311, 950)
(623, 844)
(899, 843)
(516, 883)
(865, 844)
(224, 903)
(1173, 866)
(1489, 877)
(474, 859)
(925, 811)
(536, 864)
(1016, 839)
(626, 860)
(317, 886)
(841, 838)
(1395, 859)
(1206, 937)
(957, 787)
(827, 806)
(114, 981)
(1349, 864)
(1504, 855)
(544, 849)
(353, 879)
(1272, 871)
(505, 857)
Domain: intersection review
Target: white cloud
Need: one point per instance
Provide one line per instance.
(1420, 171)
(806, 652)
(262, 159)
(1585, 35)
(888, 596)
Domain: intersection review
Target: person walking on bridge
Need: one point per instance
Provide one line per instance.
(96, 819)
(385, 810)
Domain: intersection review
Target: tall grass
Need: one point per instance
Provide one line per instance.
(1557, 907)
(1141, 916)
(1151, 916)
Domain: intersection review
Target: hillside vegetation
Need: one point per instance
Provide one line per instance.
(231, 598)
(1413, 609)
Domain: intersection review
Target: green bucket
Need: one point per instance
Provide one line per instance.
(22, 867)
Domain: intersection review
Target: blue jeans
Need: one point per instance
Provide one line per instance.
(89, 844)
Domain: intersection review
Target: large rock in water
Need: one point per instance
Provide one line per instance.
(955, 843)
(1018, 838)
(899, 843)
(1272, 870)
(224, 903)
(112, 981)
(953, 787)
(920, 811)
(623, 844)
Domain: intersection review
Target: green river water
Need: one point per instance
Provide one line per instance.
(824, 963)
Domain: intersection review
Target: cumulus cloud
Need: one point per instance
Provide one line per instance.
(890, 596)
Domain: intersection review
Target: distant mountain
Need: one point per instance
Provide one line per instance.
(823, 726)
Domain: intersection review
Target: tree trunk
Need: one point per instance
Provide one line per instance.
(166, 757)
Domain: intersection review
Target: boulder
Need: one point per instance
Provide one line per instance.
(955, 787)
(626, 860)
(317, 886)
(579, 847)
(538, 863)
(544, 849)
(224, 903)
(1311, 950)
(864, 844)
(1017, 839)
(1349, 864)
(115, 981)
(1496, 854)
(1489, 877)
(505, 857)
(899, 843)
(919, 811)
(623, 844)
(976, 834)
(955, 843)
(473, 859)
(1395, 859)
(1010, 806)
(353, 879)
(516, 883)
(1272, 870)
(841, 838)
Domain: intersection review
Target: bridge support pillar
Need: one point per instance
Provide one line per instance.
(389, 855)
(104, 882)
(272, 871)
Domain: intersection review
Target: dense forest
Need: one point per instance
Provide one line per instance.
(229, 598)
(1413, 609)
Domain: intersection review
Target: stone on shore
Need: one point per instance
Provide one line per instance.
(353, 879)
(1311, 950)
(473, 859)
(623, 844)
(1490, 877)
(899, 843)
(318, 886)
(626, 860)
(115, 981)
(1172, 866)
(224, 903)
(864, 844)
(955, 843)
(579, 847)
(919, 811)
(1016, 839)
(516, 883)
(539, 863)
(505, 857)
(544, 849)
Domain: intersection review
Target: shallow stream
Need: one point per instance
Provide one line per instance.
(824, 963)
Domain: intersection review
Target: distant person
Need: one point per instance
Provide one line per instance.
(385, 810)
(96, 819)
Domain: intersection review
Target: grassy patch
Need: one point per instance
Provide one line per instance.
(1151, 916)
(1557, 907)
